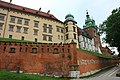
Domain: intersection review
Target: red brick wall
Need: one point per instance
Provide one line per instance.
(44, 60)
(88, 62)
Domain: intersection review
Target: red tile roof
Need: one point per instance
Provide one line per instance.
(28, 10)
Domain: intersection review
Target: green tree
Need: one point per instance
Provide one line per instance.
(111, 28)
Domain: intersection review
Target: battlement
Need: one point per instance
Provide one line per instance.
(13, 47)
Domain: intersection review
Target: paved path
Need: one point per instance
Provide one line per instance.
(105, 75)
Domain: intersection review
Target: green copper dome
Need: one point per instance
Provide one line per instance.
(69, 17)
(89, 22)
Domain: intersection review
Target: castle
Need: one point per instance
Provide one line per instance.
(61, 40)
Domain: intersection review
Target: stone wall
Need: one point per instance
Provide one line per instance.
(55, 59)
(89, 63)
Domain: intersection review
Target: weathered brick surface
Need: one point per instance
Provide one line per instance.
(48, 58)
(88, 62)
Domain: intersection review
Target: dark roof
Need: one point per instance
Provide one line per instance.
(83, 33)
(28, 10)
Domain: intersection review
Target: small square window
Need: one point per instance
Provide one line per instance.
(36, 23)
(12, 19)
(2, 17)
(26, 22)
(35, 32)
(10, 36)
(11, 27)
(22, 38)
(19, 21)
(18, 29)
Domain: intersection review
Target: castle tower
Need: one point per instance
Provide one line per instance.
(70, 29)
(92, 30)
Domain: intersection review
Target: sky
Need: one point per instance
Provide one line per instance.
(99, 10)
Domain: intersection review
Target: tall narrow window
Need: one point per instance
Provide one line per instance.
(74, 29)
(44, 27)
(36, 23)
(66, 29)
(62, 30)
(58, 30)
(2, 17)
(74, 36)
(61, 37)
(58, 36)
(1, 26)
(44, 37)
(66, 36)
(12, 19)
(49, 38)
(50, 28)
(19, 21)
(35, 39)
(11, 27)
(26, 22)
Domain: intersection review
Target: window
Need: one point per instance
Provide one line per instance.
(25, 30)
(19, 21)
(12, 19)
(66, 29)
(66, 36)
(18, 29)
(10, 36)
(44, 27)
(12, 50)
(55, 51)
(36, 23)
(58, 36)
(49, 38)
(22, 38)
(35, 39)
(74, 29)
(62, 30)
(35, 32)
(74, 36)
(50, 28)
(58, 29)
(11, 27)
(1, 26)
(2, 17)
(61, 37)
(26, 22)
(44, 37)
(34, 50)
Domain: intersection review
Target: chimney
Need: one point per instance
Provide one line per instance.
(48, 11)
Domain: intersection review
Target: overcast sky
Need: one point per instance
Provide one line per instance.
(98, 9)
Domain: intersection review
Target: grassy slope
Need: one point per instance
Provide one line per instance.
(95, 54)
(14, 76)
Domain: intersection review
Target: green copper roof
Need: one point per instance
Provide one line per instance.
(89, 22)
(69, 17)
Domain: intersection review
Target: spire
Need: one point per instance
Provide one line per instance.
(87, 15)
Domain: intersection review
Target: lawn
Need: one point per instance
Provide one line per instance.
(4, 75)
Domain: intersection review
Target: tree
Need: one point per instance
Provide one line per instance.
(111, 27)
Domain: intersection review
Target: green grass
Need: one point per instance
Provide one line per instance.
(13, 40)
(4, 75)
(95, 54)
